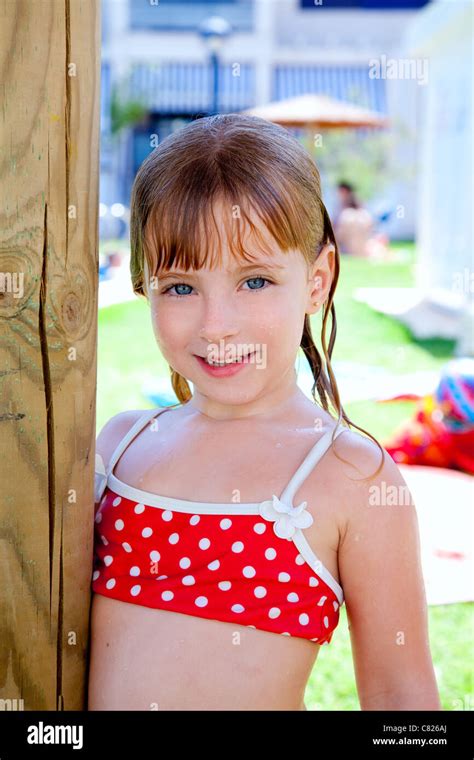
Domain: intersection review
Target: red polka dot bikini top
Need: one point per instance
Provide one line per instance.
(247, 564)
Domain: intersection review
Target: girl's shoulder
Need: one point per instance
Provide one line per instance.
(363, 455)
(356, 468)
(114, 430)
(351, 454)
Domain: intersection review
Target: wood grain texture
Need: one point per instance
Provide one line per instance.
(49, 179)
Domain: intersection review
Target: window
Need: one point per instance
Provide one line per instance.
(364, 4)
(191, 2)
(182, 15)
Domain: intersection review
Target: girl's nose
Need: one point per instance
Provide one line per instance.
(219, 321)
(214, 333)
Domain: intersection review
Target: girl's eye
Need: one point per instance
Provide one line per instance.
(183, 285)
(256, 279)
(178, 285)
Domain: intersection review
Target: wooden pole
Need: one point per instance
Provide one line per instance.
(49, 143)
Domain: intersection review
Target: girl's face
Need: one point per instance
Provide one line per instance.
(252, 311)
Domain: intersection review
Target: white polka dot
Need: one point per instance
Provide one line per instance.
(135, 570)
(161, 577)
(274, 612)
(286, 634)
(174, 538)
(108, 559)
(299, 559)
(119, 524)
(155, 556)
(270, 553)
(200, 601)
(249, 571)
(214, 565)
(284, 577)
(194, 520)
(110, 583)
(292, 597)
(167, 515)
(259, 527)
(260, 592)
(139, 508)
(321, 601)
(127, 546)
(135, 590)
(189, 580)
(237, 608)
(184, 562)
(336, 606)
(116, 501)
(224, 585)
(204, 543)
(314, 639)
(104, 541)
(98, 517)
(147, 532)
(326, 621)
(313, 581)
(250, 625)
(303, 618)
(237, 547)
(95, 575)
(225, 524)
(167, 596)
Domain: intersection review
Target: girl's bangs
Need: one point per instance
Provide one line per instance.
(187, 235)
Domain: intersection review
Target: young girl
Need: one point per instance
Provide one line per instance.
(231, 527)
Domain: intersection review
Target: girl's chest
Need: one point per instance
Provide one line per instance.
(244, 479)
(234, 476)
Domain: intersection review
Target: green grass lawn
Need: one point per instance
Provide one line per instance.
(375, 339)
(332, 682)
(128, 355)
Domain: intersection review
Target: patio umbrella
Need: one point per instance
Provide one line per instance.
(317, 111)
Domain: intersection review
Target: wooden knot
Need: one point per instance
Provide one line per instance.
(71, 312)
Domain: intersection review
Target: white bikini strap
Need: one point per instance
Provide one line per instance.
(134, 430)
(309, 462)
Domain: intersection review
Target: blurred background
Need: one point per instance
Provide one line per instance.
(380, 93)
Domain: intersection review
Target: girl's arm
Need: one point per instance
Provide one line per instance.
(381, 574)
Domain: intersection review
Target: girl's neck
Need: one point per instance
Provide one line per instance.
(267, 408)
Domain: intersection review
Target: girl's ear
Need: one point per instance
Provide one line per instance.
(321, 274)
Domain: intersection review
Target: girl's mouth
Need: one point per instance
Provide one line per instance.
(225, 370)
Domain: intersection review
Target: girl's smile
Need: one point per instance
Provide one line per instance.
(227, 369)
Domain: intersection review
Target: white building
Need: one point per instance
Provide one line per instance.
(443, 35)
(280, 48)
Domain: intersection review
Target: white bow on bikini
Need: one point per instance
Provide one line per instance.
(100, 480)
(286, 517)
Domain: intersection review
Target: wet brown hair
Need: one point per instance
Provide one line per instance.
(251, 165)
